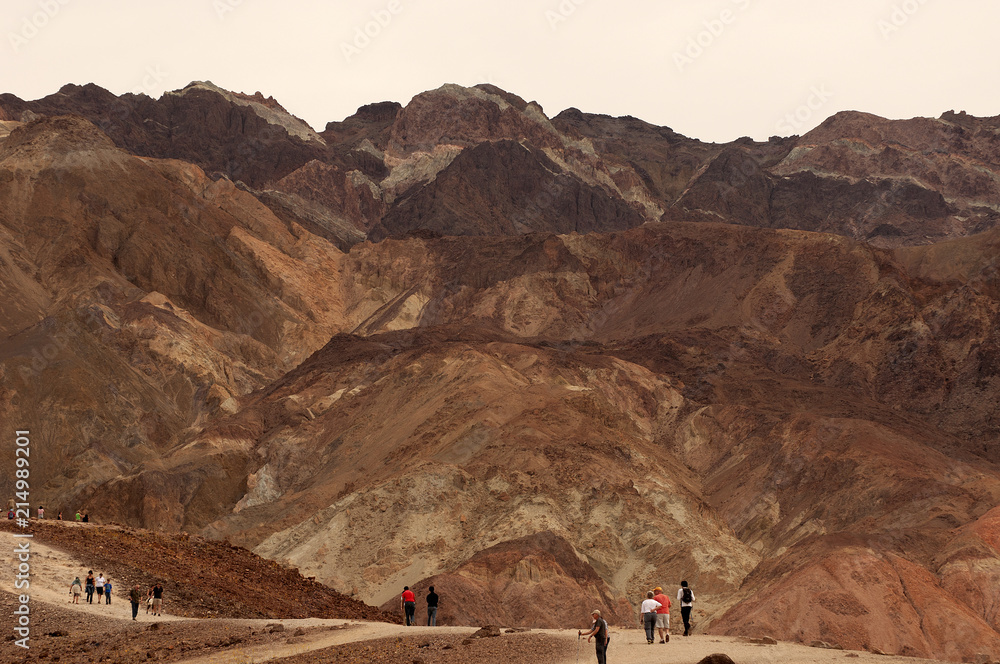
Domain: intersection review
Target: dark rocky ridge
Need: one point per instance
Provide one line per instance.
(889, 182)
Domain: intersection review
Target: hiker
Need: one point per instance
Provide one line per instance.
(662, 615)
(648, 615)
(90, 587)
(149, 600)
(86, 518)
(686, 598)
(79, 517)
(107, 590)
(157, 599)
(75, 589)
(59, 516)
(135, 597)
(408, 602)
(432, 608)
(600, 630)
(99, 584)
(41, 512)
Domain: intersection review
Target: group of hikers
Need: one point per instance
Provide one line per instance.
(81, 516)
(654, 614)
(408, 603)
(99, 584)
(102, 587)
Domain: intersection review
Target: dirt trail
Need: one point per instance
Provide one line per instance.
(52, 572)
(354, 631)
(630, 646)
(626, 646)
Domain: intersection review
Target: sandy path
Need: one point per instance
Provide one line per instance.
(52, 572)
(354, 631)
(626, 646)
(630, 646)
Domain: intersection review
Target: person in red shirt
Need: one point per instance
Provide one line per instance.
(662, 615)
(408, 602)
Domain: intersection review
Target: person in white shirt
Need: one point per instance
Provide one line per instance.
(99, 584)
(686, 597)
(648, 613)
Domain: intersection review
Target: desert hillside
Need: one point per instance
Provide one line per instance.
(462, 343)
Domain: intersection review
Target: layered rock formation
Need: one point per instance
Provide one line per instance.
(528, 387)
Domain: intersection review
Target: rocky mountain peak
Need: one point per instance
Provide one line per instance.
(379, 111)
(267, 108)
(462, 117)
(55, 135)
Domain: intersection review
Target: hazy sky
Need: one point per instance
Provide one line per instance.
(712, 69)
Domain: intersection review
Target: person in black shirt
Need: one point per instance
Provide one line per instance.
(432, 607)
(90, 587)
(157, 599)
(599, 630)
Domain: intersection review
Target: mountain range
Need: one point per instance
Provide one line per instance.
(461, 343)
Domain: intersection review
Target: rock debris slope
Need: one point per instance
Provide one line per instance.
(459, 343)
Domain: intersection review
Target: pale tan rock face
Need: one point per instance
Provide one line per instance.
(800, 424)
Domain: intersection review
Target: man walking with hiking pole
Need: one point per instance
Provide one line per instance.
(599, 630)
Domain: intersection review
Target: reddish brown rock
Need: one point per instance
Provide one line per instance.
(538, 581)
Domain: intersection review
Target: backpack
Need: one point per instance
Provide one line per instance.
(686, 596)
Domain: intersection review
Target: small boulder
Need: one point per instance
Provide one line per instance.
(717, 658)
(485, 632)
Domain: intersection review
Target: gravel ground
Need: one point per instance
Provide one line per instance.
(67, 636)
(519, 648)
